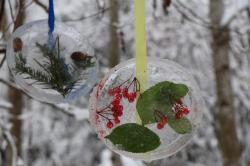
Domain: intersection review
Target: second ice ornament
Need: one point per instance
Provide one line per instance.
(169, 110)
(58, 73)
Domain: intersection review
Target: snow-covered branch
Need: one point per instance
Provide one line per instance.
(231, 13)
(10, 140)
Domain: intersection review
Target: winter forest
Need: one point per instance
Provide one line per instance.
(209, 38)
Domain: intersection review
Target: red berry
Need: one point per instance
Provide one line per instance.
(116, 102)
(110, 124)
(120, 108)
(115, 114)
(117, 120)
(164, 120)
(111, 92)
(118, 96)
(117, 90)
(117, 107)
(131, 98)
(160, 125)
(113, 109)
(117, 110)
(185, 111)
(178, 115)
(133, 94)
(119, 113)
(125, 92)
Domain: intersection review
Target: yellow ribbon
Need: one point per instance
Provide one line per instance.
(141, 44)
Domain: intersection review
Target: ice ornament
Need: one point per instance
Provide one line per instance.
(56, 73)
(146, 125)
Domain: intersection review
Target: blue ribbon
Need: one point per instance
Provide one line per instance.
(51, 22)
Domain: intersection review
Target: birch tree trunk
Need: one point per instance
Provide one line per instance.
(14, 95)
(114, 57)
(224, 114)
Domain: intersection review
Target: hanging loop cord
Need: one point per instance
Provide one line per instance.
(141, 46)
(51, 22)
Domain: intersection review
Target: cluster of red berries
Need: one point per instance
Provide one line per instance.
(120, 91)
(162, 122)
(161, 119)
(180, 110)
(115, 109)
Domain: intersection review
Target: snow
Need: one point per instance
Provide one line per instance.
(5, 104)
(61, 135)
(78, 113)
(234, 9)
(104, 156)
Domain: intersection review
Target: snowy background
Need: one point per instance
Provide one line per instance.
(62, 136)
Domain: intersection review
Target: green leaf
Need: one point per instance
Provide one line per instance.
(159, 97)
(181, 126)
(178, 90)
(134, 138)
(170, 92)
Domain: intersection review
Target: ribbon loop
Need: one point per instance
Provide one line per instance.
(141, 44)
(51, 22)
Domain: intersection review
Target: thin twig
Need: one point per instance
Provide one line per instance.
(11, 11)
(3, 60)
(12, 85)
(191, 11)
(9, 84)
(230, 20)
(191, 18)
(86, 17)
(27, 5)
(11, 142)
(20, 15)
(2, 11)
(43, 6)
(5, 30)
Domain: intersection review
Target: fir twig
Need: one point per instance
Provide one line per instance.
(56, 74)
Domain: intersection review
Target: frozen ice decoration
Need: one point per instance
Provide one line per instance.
(146, 125)
(56, 73)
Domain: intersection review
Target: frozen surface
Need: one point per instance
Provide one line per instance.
(158, 71)
(70, 41)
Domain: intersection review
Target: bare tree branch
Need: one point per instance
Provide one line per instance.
(3, 60)
(191, 18)
(43, 6)
(59, 107)
(11, 11)
(2, 11)
(6, 29)
(246, 8)
(10, 140)
(86, 17)
(2, 51)
(191, 12)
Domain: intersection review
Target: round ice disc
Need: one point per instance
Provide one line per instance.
(61, 71)
(146, 125)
